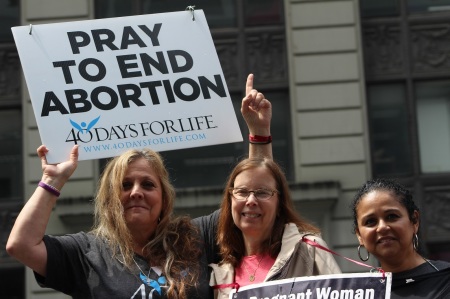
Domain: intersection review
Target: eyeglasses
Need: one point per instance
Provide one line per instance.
(241, 194)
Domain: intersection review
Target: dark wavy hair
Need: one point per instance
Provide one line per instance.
(401, 194)
(229, 236)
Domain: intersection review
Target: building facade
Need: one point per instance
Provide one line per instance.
(359, 90)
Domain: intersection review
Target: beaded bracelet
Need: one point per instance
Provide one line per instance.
(257, 139)
(50, 188)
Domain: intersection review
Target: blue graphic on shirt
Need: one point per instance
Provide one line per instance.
(155, 284)
(82, 126)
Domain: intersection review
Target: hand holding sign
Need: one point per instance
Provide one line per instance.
(57, 174)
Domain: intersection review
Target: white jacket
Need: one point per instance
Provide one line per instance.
(295, 259)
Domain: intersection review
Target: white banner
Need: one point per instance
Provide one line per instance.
(336, 286)
(109, 85)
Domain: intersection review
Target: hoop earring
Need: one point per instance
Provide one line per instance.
(359, 254)
(415, 242)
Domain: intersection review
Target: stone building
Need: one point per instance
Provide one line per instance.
(360, 89)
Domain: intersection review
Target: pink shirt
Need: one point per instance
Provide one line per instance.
(253, 269)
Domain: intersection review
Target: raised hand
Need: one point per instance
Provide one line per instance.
(256, 110)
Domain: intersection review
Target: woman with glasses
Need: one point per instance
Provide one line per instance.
(259, 231)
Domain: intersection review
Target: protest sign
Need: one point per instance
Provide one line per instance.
(109, 85)
(336, 286)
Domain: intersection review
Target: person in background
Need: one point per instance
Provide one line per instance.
(137, 247)
(260, 232)
(386, 222)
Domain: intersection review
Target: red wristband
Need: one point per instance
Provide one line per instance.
(256, 139)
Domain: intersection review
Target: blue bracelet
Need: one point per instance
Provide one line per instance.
(50, 188)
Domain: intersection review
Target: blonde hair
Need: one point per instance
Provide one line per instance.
(174, 246)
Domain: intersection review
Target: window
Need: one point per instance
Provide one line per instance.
(264, 12)
(379, 8)
(113, 8)
(10, 107)
(249, 37)
(433, 117)
(389, 130)
(415, 6)
(9, 17)
(10, 154)
(220, 13)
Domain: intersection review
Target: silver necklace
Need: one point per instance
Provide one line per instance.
(428, 261)
(155, 284)
(144, 278)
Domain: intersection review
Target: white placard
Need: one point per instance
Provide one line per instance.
(332, 286)
(109, 85)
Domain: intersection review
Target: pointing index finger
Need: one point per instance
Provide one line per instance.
(249, 84)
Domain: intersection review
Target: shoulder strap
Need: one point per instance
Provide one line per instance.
(315, 244)
(233, 285)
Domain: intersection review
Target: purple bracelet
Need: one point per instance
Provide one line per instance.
(50, 188)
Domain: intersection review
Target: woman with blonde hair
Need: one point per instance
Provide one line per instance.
(136, 247)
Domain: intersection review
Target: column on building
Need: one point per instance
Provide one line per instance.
(329, 108)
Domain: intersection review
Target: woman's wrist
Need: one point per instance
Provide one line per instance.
(50, 188)
(55, 182)
(259, 139)
(259, 132)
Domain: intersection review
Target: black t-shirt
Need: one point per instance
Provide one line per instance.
(81, 266)
(422, 282)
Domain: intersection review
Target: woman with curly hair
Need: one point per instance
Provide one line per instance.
(136, 246)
